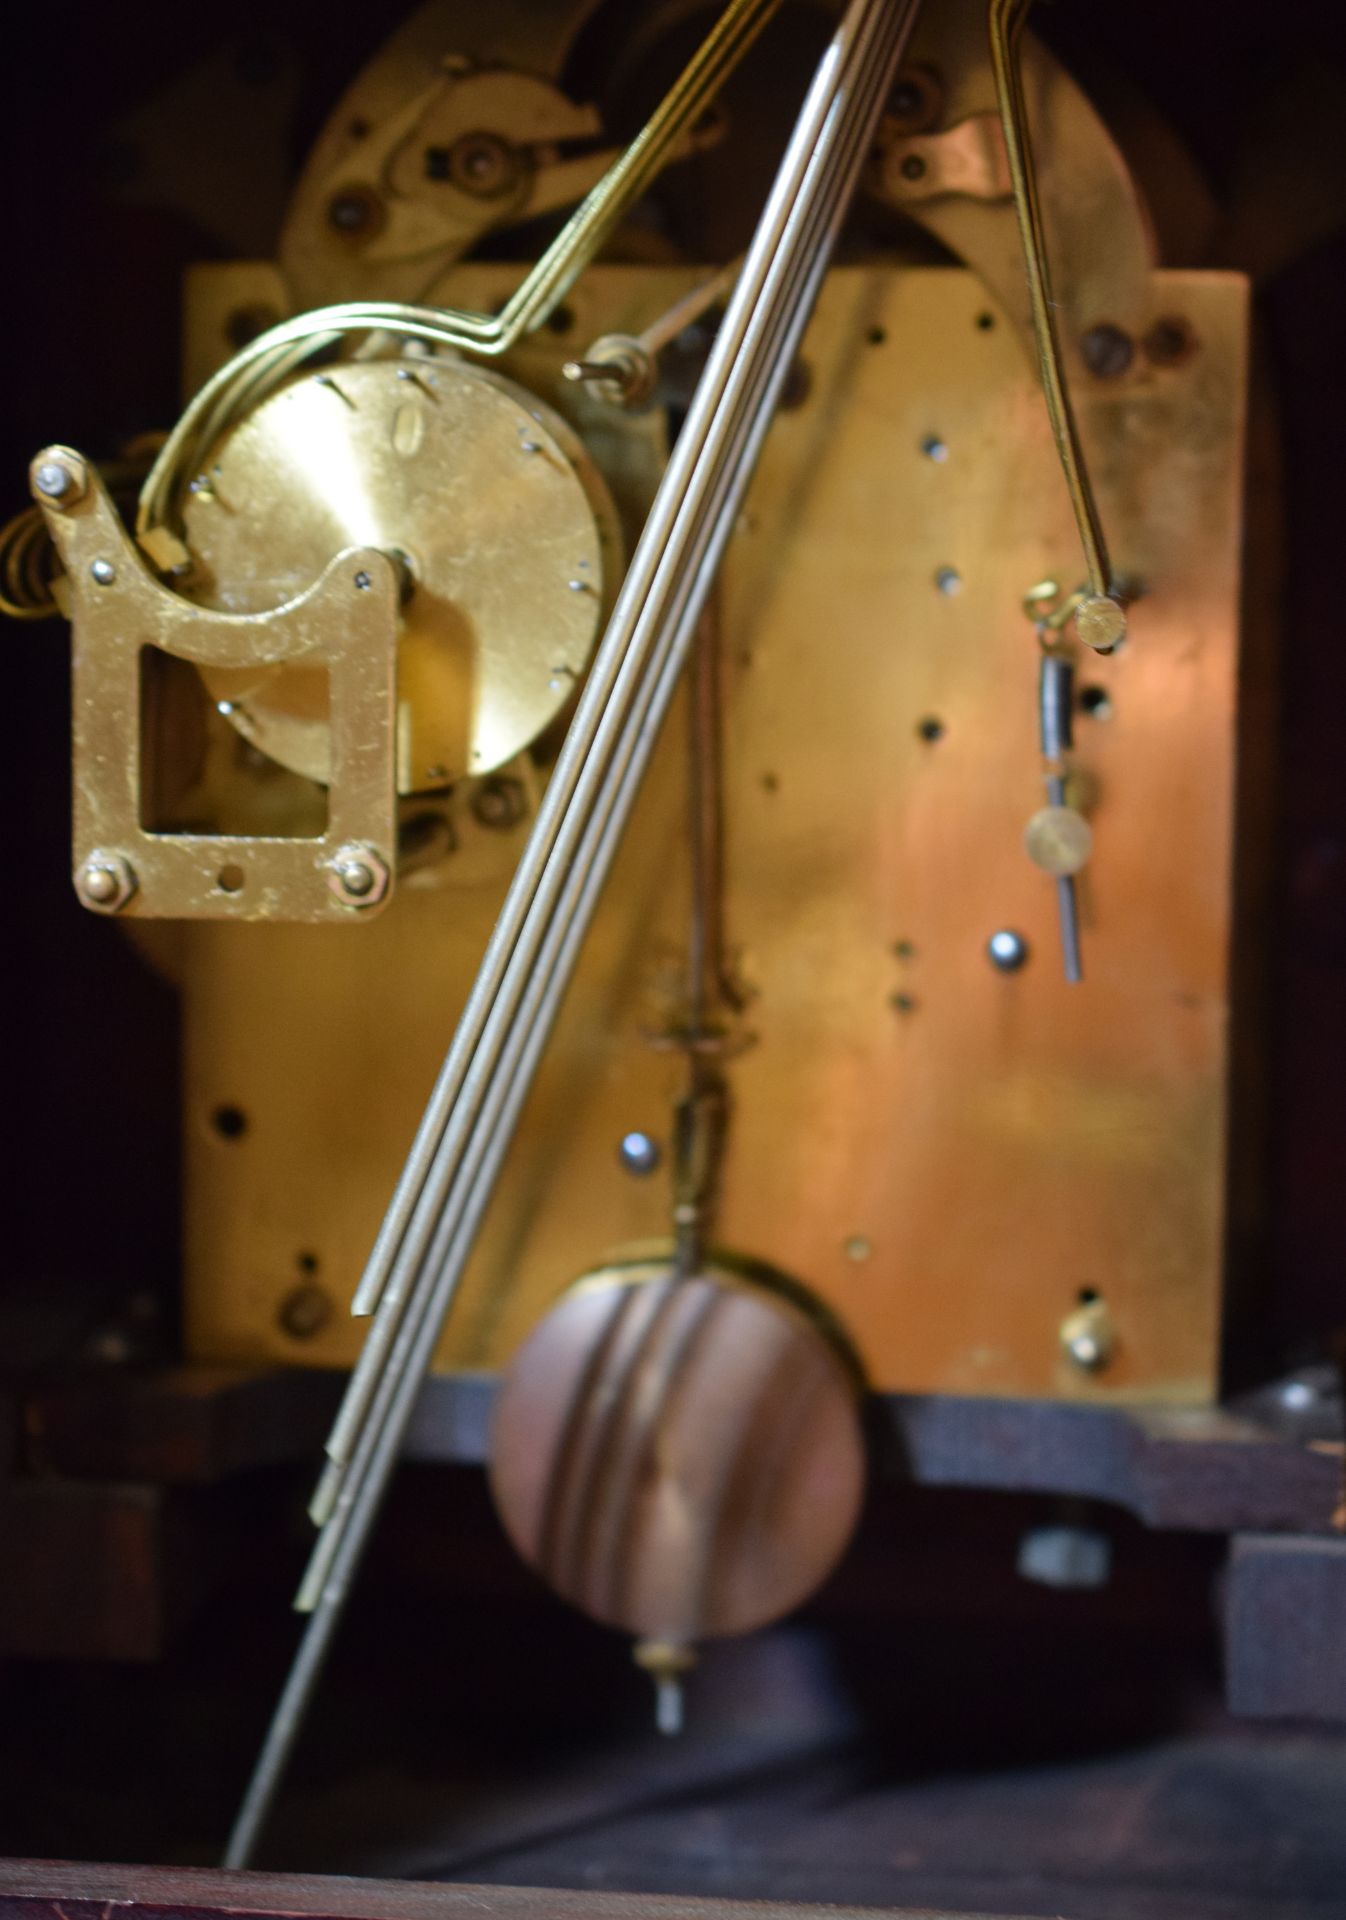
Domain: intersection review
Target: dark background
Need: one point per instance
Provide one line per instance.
(935, 1730)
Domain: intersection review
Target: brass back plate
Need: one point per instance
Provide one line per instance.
(948, 1154)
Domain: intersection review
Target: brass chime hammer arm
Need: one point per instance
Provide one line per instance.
(1100, 618)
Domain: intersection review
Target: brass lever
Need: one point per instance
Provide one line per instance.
(1100, 618)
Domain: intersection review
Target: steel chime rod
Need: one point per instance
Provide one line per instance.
(456, 1158)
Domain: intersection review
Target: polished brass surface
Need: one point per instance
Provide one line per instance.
(343, 626)
(682, 1458)
(510, 540)
(946, 1173)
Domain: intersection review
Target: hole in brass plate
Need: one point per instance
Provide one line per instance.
(200, 773)
(230, 879)
(230, 1122)
(931, 728)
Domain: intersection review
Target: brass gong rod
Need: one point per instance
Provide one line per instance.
(660, 559)
(1100, 618)
(872, 32)
(443, 1262)
(416, 1232)
(281, 350)
(380, 1435)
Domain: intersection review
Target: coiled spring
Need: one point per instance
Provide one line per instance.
(28, 565)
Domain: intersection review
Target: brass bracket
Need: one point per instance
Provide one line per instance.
(346, 623)
(968, 158)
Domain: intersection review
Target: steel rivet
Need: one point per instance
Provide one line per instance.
(53, 480)
(639, 1153)
(358, 876)
(1007, 950)
(949, 580)
(355, 878)
(103, 572)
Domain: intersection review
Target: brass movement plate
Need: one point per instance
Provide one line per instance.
(947, 1153)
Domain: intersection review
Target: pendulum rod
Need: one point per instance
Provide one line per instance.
(701, 1117)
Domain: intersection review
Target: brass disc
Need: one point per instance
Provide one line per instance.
(507, 530)
(681, 1458)
(1059, 840)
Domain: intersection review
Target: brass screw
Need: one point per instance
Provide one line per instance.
(1087, 1334)
(1100, 621)
(916, 101)
(105, 882)
(356, 212)
(1107, 350)
(1169, 343)
(304, 1311)
(617, 368)
(499, 803)
(482, 164)
(358, 877)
